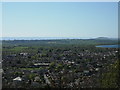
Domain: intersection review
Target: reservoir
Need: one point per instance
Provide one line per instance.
(109, 46)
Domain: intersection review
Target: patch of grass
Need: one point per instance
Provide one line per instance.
(31, 68)
(18, 48)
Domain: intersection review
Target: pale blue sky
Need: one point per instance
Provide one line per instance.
(0, 19)
(60, 19)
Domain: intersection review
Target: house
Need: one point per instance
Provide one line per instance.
(47, 80)
(37, 79)
(23, 54)
(17, 82)
(41, 64)
(86, 72)
(17, 79)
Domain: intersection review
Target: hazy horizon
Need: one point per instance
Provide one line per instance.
(48, 38)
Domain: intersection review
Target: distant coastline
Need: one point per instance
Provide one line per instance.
(108, 46)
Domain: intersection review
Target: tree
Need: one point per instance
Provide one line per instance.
(111, 79)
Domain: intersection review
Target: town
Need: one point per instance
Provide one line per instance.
(29, 64)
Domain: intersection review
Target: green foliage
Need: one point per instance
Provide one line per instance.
(110, 78)
(31, 76)
(18, 73)
(52, 64)
(31, 68)
(46, 43)
(18, 48)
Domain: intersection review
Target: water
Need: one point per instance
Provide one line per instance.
(109, 46)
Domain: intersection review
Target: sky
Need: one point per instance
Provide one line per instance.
(0, 19)
(60, 19)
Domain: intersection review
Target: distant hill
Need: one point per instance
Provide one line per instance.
(105, 38)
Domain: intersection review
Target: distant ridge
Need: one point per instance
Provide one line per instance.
(105, 38)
